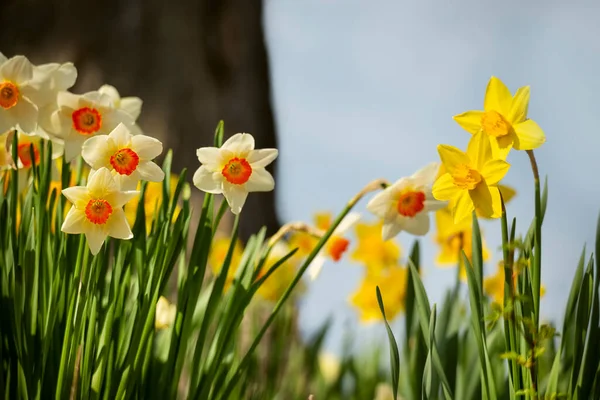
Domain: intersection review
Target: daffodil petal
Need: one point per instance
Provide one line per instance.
(497, 97)
(239, 144)
(470, 120)
(111, 119)
(235, 196)
(26, 115)
(262, 157)
(519, 106)
(391, 228)
(119, 198)
(101, 182)
(417, 225)
(426, 175)
(529, 135)
(74, 221)
(208, 181)
(260, 181)
(496, 202)
(94, 151)
(149, 171)
(463, 207)
(315, 267)
(502, 145)
(494, 170)
(209, 157)
(132, 106)
(121, 136)
(146, 147)
(111, 92)
(380, 204)
(78, 195)
(452, 157)
(434, 205)
(95, 237)
(73, 145)
(479, 150)
(118, 226)
(444, 188)
(482, 199)
(17, 69)
(346, 223)
(507, 192)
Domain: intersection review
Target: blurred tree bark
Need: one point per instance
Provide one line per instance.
(193, 63)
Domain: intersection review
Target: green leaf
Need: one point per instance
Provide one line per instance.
(394, 353)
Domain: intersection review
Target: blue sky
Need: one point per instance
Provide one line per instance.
(364, 90)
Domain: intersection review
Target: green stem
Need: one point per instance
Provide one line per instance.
(537, 265)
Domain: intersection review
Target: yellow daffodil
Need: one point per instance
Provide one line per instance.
(153, 199)
(79, 117)
(275, 285)
(234, 170)
(371, 250)
(218, 252)
(165, 314)
(504, 120)
(303, 241)
(471, 179)
(98, 210)
(128, 157)
(494, 285)
(337, 244)
(392, 283)
(405, 205)
(329, 366)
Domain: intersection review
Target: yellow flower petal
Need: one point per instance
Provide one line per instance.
(502, 145)
(520, 104)
(497, 97)
(482, 199)
(529, 135)
(470, 121)
(444, 188)
(496, 202)
(507, 192)
(494, 170)
(452, 157)
(463, 207)
(479, 150)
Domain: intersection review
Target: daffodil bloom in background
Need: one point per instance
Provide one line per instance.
(471, 179)
(17, 110)
(275, 285)
(131, 105)
(234, 170)
(504, 120)
(337, 244)
(153, 198)
(165, 313)
(404, 206)
(371, 250)
(216, 258)
(79, 117)
(128, 157)
(98, 210)
(329, 366)
(392, 284)
(494, 285)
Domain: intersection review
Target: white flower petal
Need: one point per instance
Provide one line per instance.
(111, 92)
(95, 236)
(127, 182)
(96, 99)
(349, 220)
(239, 144)
(17, 69)
(111, 118)
(434, 205)
(132, 106)
(149, 171)
(121, 136)
(78, 195)
(68, 99)
(315, 267)
(210, 157)
(235, 195)
(73, 143)
(260, 181)
(101, 184)
(117, 225)
(3, 58)
(95, 151)
(26, 115)
(146, 147)
(381, 203)
(262, 157)
(75, 221)
(120, 198)
(208, 181)
(7, 120)
(391, 228)
(417, 225)
(426, 175)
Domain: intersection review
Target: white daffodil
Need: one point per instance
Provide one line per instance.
(128, 157)
(131, 105)
(80, 117)
(97, 210)
(404, 206)
(234, 170)
(165, 313)
(16, 108)
(335, 246)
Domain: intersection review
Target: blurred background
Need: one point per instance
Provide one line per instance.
(349, 91)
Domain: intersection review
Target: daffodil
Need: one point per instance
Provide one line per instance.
(16, 108)
(392, 284)
(276, 284)
(79, 117)
(504, 120)
(131, 105)
(471, 179)
(165, 313)
(98, 210)
(128, 157)
(371, 250)
(234, 170)
(329, 366)
(404, 206)
(216, 258)
(493, 285)
(335, 247)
